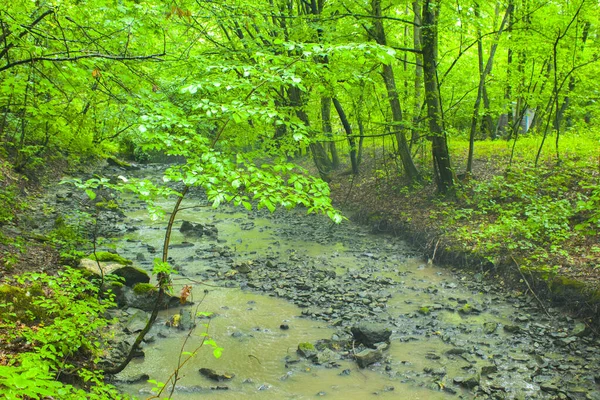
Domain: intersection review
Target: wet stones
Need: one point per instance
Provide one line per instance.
(488, 370)
(368, 357)
(580, 330)
(490, 327)
(136, 322)
(130, 274)
(243, 267)
(327, 357)
(198, 230)
(215, 376)
(127, 297)
(183, 321)
(468, 382)
(512, 328)
(307, 350)
(493, 360)
(369, 334)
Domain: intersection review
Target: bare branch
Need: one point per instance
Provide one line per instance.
(83, 56)
(26, 31)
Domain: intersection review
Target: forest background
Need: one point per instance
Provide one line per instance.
(470, 126)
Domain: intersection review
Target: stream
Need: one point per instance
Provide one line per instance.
(273, 281)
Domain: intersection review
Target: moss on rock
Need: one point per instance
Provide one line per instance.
(118, 163)
(105, 256)
(424, 310)
(143, 288)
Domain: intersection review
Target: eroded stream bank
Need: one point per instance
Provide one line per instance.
(451, 335)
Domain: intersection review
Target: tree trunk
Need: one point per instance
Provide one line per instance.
(481, 92)
(348, 129)
(415, 131)
(326, 123)
(318, 152)
(378, 34)
(439, 146)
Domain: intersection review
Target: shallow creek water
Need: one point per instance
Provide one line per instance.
(438, 318)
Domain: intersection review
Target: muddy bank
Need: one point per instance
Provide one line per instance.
(575, 297)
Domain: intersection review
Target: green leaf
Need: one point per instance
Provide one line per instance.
(217, 352)
(90, 193)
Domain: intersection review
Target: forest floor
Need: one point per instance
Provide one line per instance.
(491, 225)
(21, 252)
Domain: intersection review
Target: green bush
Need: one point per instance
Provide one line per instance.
(530, 213)
(61, 332)
(9, 203)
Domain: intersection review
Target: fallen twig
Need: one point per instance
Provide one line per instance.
(529, 287)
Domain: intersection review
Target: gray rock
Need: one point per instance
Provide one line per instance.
(490, 327)
(136, 322)
(580, 330)
(488, 369)
(198, 230)
(456, 351)
(512, 328)
(186, 321)
(368, 357)
(131, 275)
(307, 350)
(145, 301)
(139, 378)
(215, 376)
(468, 382)
(327, 356)
(371, 333)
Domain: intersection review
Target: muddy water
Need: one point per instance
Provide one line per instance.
(440, 321)
(247, 324)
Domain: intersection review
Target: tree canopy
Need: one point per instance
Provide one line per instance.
(247, 79)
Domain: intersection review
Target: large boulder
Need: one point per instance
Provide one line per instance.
(130, 274)
(137, 321)
(145, 300)
(370, 334)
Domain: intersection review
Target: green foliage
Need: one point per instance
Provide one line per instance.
(9, 203)
(588, 207)
(61, 327)
(530, 214)
(70, 235)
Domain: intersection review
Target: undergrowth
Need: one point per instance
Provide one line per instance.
(50, 333)
(540, 216)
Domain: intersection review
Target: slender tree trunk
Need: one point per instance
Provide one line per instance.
(378, 34)
(318, 152)
(359, 121)
(326, 122)
(439, 145)
(415, 131)
(567, 99)
(483, 73)
(505, 123)
(348, 129)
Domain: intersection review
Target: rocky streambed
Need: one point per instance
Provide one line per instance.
(303, 308)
